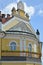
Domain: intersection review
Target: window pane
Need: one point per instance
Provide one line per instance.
(30, 48)
(13, 46)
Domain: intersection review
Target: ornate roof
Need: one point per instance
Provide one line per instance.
(20, 5)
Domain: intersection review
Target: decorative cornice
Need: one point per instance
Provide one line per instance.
(21, 33)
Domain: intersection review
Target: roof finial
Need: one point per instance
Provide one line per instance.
(20, 5)
(18, 0)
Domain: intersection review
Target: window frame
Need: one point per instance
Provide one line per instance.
(30, 47)
(12, 46)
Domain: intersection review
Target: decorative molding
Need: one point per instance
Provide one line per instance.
(20, 62)
(12, 41)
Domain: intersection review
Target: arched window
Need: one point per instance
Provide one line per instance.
(30, 48)
(13, 46)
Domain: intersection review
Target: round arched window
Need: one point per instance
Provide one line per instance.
(30, 48)
(13, 46)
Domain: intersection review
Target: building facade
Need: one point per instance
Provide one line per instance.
(19, 43)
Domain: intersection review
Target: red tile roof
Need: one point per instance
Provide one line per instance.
(4, 19)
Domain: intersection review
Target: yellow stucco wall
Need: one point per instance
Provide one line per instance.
(13, 63)
(22, 14)
(6, 47)
(6, 44)
(19, 63)
(0, 48)
(27, 44)
(37, 48)
(33, 64)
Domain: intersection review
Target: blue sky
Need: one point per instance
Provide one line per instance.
(37, 16)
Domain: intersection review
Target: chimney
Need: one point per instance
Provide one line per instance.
(8, 16)
(3, 15)
(3, 18)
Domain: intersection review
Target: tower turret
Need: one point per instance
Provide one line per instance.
(20, 5)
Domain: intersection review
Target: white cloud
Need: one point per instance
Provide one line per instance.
(30, 10)
(18, 0)
(40, 12)
(9, 7)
